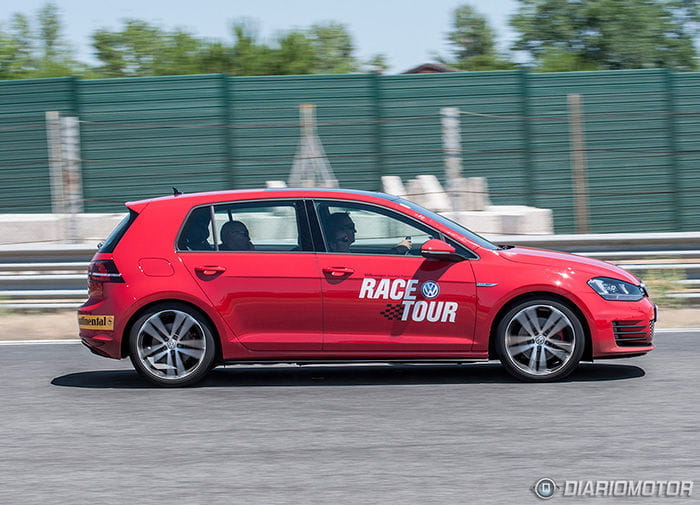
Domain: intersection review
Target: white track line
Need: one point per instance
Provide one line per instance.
(676, 330)
(33, 342)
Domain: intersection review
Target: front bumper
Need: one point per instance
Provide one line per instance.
(620, 329)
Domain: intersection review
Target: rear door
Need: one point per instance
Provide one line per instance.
(268, 292)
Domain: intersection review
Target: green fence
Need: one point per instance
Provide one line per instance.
(140, 136)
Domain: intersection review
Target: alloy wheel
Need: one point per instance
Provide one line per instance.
(540, 340)
(171, 345)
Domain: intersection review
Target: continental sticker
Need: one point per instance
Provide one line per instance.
(409, 308)
(95, 322)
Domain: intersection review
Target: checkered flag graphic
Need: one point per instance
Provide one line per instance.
(393, 311)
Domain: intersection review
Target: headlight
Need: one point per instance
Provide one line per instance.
(613, 289)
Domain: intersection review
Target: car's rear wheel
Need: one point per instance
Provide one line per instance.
(540, 340)
(172, 345)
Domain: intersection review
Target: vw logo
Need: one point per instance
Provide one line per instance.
(430, 289)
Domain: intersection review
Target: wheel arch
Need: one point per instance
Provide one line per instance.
(126, 335)
(588, 350)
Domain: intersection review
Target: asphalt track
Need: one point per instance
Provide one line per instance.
(82, 429)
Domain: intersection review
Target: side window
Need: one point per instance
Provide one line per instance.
(365, 229)
(260, 226)
(196, 234)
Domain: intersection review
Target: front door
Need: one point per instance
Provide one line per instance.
(380, 295)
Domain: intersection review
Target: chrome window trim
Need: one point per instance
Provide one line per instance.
(292, 201)
(411, 218)
(313, 200)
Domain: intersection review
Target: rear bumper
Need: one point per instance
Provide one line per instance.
(98, 329)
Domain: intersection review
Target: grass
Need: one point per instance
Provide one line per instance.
(662, 283)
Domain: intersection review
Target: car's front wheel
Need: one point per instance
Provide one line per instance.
(540, 340)
(172, 345)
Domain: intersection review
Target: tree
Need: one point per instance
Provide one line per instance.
(608, 34)
(333, 49)
(130, 52)
(141, 49)
(22, 43)
(474, 42)
(180, 53)
(294, 56)
(325, 48)
(214, 57)
(109, 50)
(556, 59)
(35, 49)
(377, 64)
(16, 54)
(7, 56)
(49, 30)
(55, 59)
(249, 57)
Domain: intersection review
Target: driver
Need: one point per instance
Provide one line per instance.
(342, 235)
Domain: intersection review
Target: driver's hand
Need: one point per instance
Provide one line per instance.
(405, 243)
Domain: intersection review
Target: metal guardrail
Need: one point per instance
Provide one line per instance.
(44, 276)
(54, 276)
(673, 257)
(606, 242)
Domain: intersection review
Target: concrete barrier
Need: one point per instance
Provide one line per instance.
(467, 203)
(94, 228)
(52, 228)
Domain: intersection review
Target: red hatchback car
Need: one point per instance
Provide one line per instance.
(187, 282)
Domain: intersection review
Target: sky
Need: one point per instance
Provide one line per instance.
(407, 32)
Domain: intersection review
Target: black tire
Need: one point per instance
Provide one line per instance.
(172, 345)
(528, 347)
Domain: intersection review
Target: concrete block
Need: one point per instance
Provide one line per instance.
(460, 195)
(392, 185)
(524, 220)
(27, 228)
(416, 192)
(479, 187)
(469, 193)
(437, 199)
(477, 221)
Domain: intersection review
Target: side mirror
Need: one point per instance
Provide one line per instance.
(439, 250)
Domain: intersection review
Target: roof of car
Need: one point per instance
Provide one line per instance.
(247, 194)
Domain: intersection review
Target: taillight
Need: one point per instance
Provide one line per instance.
(104, 271)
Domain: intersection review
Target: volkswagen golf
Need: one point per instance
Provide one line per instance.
(187, 282)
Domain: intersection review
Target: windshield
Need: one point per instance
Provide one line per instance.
(449, 223)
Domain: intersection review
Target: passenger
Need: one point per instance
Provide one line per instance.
(196, 239)
(196, 235)
(235, 237)
(342, 235)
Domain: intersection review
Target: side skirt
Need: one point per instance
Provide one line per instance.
(302, 362)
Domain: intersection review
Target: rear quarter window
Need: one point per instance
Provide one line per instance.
(118, 232)
(196, 234)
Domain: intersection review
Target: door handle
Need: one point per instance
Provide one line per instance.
(338, 271)
(210, 269)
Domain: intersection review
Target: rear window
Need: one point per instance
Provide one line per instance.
(118, 232)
